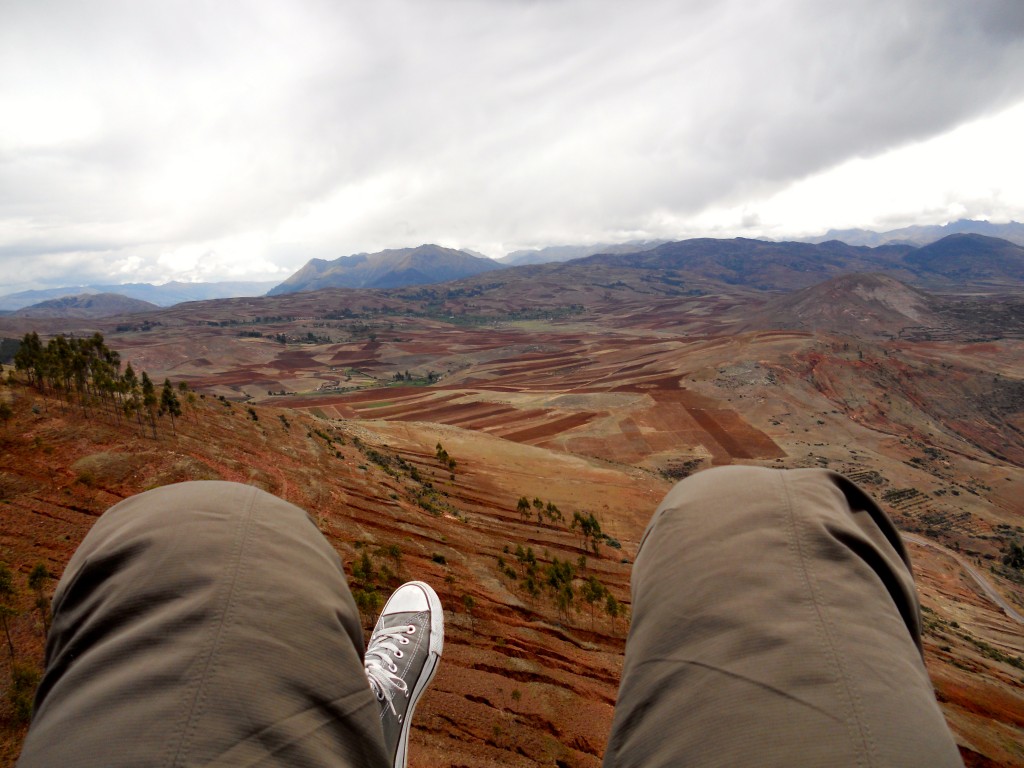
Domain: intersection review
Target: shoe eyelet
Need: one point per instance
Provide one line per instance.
(411, 630)
(403, 640)
(399, 654)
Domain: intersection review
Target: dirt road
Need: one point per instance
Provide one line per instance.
(986, 587)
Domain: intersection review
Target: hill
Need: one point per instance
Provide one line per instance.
(387, 269)
(956, 262)
(164, 295)
(760, 264)
(971, 259)
(86, 305)
(859, 305)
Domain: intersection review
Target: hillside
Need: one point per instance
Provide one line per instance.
(860, 305)
(86, 305)
(387, 269)
(518, 684)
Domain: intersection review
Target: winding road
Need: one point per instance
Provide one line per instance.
(986, 587)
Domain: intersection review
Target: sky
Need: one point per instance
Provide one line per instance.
(151, 141)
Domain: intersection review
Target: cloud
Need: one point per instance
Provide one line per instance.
(221, 136)
(964, 173)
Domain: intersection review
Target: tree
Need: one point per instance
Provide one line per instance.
(592, 593)
(612, 608)
(29, 358)
(590, 530)
(554, 513)
(132, 396)
(1015, 557)
(170, 404)
(149, 399)
(7, 593)
(37, 579)
(369, 603)
(395, 553)
(523, 507)
(469, 603)
(21, 694)
(363, 569)
(558, 578)
(538, 505)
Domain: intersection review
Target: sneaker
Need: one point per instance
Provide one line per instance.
(402, 658)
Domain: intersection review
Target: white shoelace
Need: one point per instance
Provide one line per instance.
(381, 671)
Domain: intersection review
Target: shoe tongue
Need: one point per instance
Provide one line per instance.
(399, 619)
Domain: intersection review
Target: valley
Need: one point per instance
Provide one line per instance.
(587, 388)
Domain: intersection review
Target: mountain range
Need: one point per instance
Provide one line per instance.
(165, 295)
(923, 235)
(956, 261)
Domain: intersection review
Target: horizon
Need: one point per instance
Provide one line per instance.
(193, 143)
(54, 286)
(64, 287)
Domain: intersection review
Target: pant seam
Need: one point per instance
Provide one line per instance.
(858, 728)
(235, 568)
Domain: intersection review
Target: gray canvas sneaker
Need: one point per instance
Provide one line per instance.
(401, 660)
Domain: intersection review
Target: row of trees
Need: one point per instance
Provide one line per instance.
(526, 509)
(585, 524)
(561, 581)
(87, 372)
(446, 461)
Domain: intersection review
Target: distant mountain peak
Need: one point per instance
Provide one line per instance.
(391, 268)
(87, 305)
(561, 253)
(924, 235)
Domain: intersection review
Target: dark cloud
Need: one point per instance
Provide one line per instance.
(316, 128)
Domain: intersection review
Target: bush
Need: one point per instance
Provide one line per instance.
(24, 680)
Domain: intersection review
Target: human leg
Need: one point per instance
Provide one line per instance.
(775, 623)
(204, 623)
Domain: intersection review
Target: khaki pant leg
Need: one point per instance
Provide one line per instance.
(204, 624)
(775, 623)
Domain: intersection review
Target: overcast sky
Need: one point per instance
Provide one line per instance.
(150, 141)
